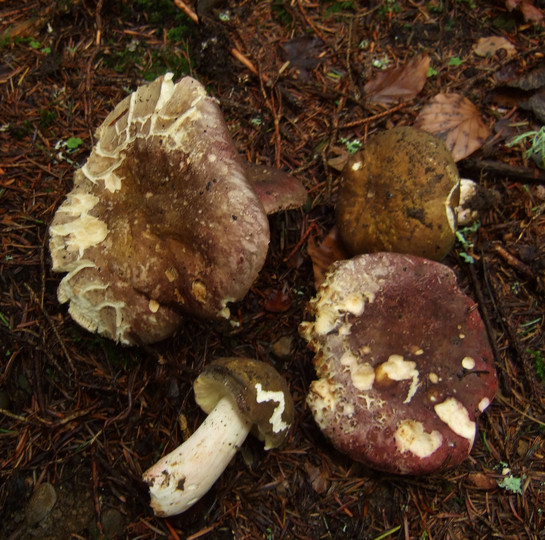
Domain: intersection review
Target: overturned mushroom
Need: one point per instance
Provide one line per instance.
(403, 362)
(162, 220)
(399, 194)
(238, 394)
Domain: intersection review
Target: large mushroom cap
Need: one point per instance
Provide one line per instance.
(399, 193)
(161, 221)
(403, 361)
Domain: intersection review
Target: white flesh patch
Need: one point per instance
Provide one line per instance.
(341, 294)
(399, 369)
(468, 362)
(483, 404)
(357, 166)
(362, 375)
(411, 437)
(275, 420)
(455, 415)
(322, 401)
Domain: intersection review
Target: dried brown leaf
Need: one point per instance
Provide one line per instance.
(400, 83)
(325, 254)
(319, 478)
(455, 120)
(482, 480)
(277, 300)
(531, 13)
(488, 46)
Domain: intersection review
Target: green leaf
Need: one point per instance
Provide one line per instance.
(74, 142)
(432, 72)
(455, 61)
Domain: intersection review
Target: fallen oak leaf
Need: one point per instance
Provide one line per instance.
(455, 120)
(488, 46)
(399, 83)
(530, 13)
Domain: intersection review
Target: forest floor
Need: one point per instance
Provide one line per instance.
(82, 417)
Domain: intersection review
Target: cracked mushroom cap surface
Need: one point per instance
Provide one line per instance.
(403, 362)
(399, 193)
(161, 221)
(259, 392)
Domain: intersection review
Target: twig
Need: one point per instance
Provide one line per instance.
(514, 262)
(311, 227)
(525, 174)
(244, 60)
(187, 10)
(382, 114)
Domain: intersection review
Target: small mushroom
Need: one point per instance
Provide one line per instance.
(403, 362)
(239, 394)
(398, 193)
(276, 189)
(474, 200)
(162, 220)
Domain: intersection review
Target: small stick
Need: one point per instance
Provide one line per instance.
(245, 61)
(364, 121)
(311, 227)
(187, 10)
(514, 262)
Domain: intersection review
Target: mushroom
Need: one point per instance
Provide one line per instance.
(398, 193)
(474, 199)
(238, 394)
(403, 362)
(162, 220)
(276, 189)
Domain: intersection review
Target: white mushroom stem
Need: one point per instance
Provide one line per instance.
(181, 478)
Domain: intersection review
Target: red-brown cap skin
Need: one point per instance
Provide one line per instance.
(403, 361)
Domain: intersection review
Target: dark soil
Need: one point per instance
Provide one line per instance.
(89, 416)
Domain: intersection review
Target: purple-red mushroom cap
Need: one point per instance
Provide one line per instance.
(162, 220)
(403, 362)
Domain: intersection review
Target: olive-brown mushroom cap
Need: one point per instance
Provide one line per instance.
(257, 389)
(403, 362)
(398, 193)
(161, 221)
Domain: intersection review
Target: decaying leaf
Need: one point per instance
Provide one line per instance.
(400, 83)
(531, 13)
(338, 161)
(455, 120)
(488, 46)
(325, 254)
(319, 478)
(537, 105)
(277, 300)
(530, 80)
(482, 480)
